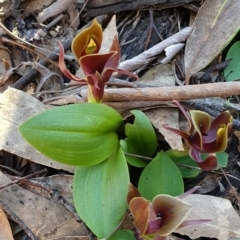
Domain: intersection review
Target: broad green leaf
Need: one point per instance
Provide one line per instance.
(232, 71)
(122, 235)
(100, 193)
(215, 25)
(78, 134)
(222, 158)
(141, 139)
(134, 161)
(160, 176)
(187, 166)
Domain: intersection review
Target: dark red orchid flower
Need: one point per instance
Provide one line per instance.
(158, 219)
(204, 135)
(98, 68)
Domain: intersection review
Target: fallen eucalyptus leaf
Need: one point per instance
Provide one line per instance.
(45, 218)
(216, 23)
(225, 220)
(5, 229)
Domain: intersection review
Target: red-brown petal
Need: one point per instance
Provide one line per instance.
(209, 163)
(140, 209)
(172, 210)
(63, 66)
(94, 62)
(132, 193)
(195, 154)
(181, 133)
(96, 88)
(186, 114)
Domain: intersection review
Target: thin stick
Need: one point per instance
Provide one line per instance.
(20, 179)
(186, 92)
(234, 191)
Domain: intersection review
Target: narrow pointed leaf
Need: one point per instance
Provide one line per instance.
(100, 193)
(78, 134)
(141, 139)
(161, 176)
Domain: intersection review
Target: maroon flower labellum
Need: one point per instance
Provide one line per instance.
(204, 135)
(159, 218)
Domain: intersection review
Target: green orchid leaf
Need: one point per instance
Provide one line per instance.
(141, 139)
(122, 234)
(100, 193)
(134, 161)
(187, 166)
(160, 176)
(78, 134)
(222, 159)
(232, 71)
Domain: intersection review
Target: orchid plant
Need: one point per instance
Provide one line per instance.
(204, 135)
(158, 219)
(98, 68)
(90, 137)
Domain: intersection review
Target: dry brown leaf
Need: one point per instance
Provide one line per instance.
(167, 116)
(225, 220)
(216, 24)
(15, 108)
(74, 16)
(209, 183)
(162, 75)
(5, 230)
(62, 184)
(31, 6)
(46, 219)
(108, 34)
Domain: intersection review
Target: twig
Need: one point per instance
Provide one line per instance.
(30, 76)
(15, 218)
(7, 40)
(234, 191)
(20, 179)
(146, 56)
(222, 89)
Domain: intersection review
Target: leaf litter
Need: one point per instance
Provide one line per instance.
(16, 107)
